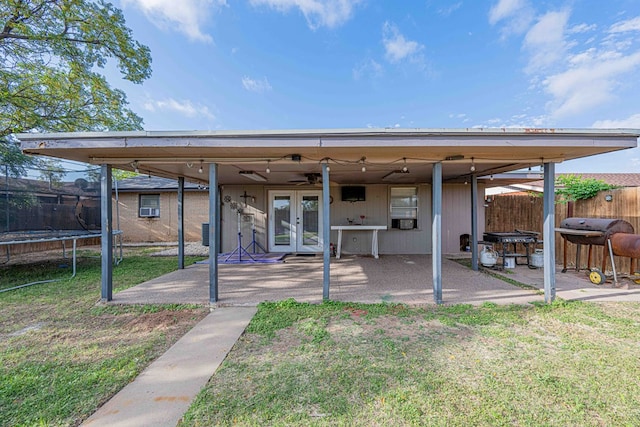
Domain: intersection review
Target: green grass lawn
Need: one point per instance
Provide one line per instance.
(563, 364)
(61, 354)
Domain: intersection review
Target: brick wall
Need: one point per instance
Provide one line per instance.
(164, 228)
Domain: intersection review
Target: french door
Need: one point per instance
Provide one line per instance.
(295, 221)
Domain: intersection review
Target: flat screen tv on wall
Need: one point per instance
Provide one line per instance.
(353, 193)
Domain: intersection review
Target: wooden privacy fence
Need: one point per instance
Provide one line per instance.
(525, 212)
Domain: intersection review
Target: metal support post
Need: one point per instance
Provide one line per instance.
(474, 222)
(106, 230)
(548, 229)
(214, 230)
(436, 232)
(181, 223)
(326, 232)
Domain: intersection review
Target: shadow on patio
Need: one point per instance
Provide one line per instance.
(391, 278)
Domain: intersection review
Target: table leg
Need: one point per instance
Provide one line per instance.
(374, 244)
(504, 252)
(339, 244)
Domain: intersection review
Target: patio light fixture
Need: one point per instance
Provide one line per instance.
(364, 168)
(253, 175)
(405, 169)
(473, 166)
(136, 169)
(268, 169)
(200, 170)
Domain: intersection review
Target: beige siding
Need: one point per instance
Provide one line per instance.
(255, 205)
(455, 221)
(456, 218)
(376, 211)
(164, 228)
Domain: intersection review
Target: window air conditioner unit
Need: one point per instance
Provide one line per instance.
(149, 212)
(405, 224)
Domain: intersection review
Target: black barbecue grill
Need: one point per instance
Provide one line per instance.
(505, 239)
(590, 231)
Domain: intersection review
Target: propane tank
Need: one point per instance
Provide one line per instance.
(488, 257)
(537, 258)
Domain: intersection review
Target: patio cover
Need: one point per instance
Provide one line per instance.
(434, 156)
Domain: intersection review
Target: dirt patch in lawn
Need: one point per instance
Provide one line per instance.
(161, 321)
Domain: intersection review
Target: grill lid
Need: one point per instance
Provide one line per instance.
(597, 224)
(592, 231)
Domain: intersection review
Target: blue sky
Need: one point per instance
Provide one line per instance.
(299, 64)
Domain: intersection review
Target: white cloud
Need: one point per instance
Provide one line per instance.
(186, 16)
(318, 13)
(582, 28)
(545, 40)
(578, 67)
(516, 121)
(457, 116)
(253, 85)
(591, 83)
(396, 46)
(515, 15)
(369, 68)
(505, 9)
(184, 107)
(624, 26)
(631, 122)
(446, 11)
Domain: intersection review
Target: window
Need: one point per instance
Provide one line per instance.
(149, 206)
(404, 207)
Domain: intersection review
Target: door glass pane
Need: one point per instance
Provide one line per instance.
(282, 216)
(310, 219)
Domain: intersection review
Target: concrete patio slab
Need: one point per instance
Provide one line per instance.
(391, 278)
(398, 278)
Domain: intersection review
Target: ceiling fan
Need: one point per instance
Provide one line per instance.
(311, 178)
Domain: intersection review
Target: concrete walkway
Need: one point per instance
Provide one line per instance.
(161, 394)
(165, 390)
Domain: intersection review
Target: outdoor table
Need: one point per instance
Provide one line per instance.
(374, 239)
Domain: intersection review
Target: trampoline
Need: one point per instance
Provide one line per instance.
(8, 239)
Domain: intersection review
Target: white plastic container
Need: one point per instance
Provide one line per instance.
(510, 262)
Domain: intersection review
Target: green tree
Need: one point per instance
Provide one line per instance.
(51, 171)
(570, 188)
(14, 162)
(50, 51)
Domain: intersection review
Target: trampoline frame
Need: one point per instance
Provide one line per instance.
(62, 239)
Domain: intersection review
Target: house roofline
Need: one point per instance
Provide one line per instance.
(354, 132)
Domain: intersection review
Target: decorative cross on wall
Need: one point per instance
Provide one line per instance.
(245, 196)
